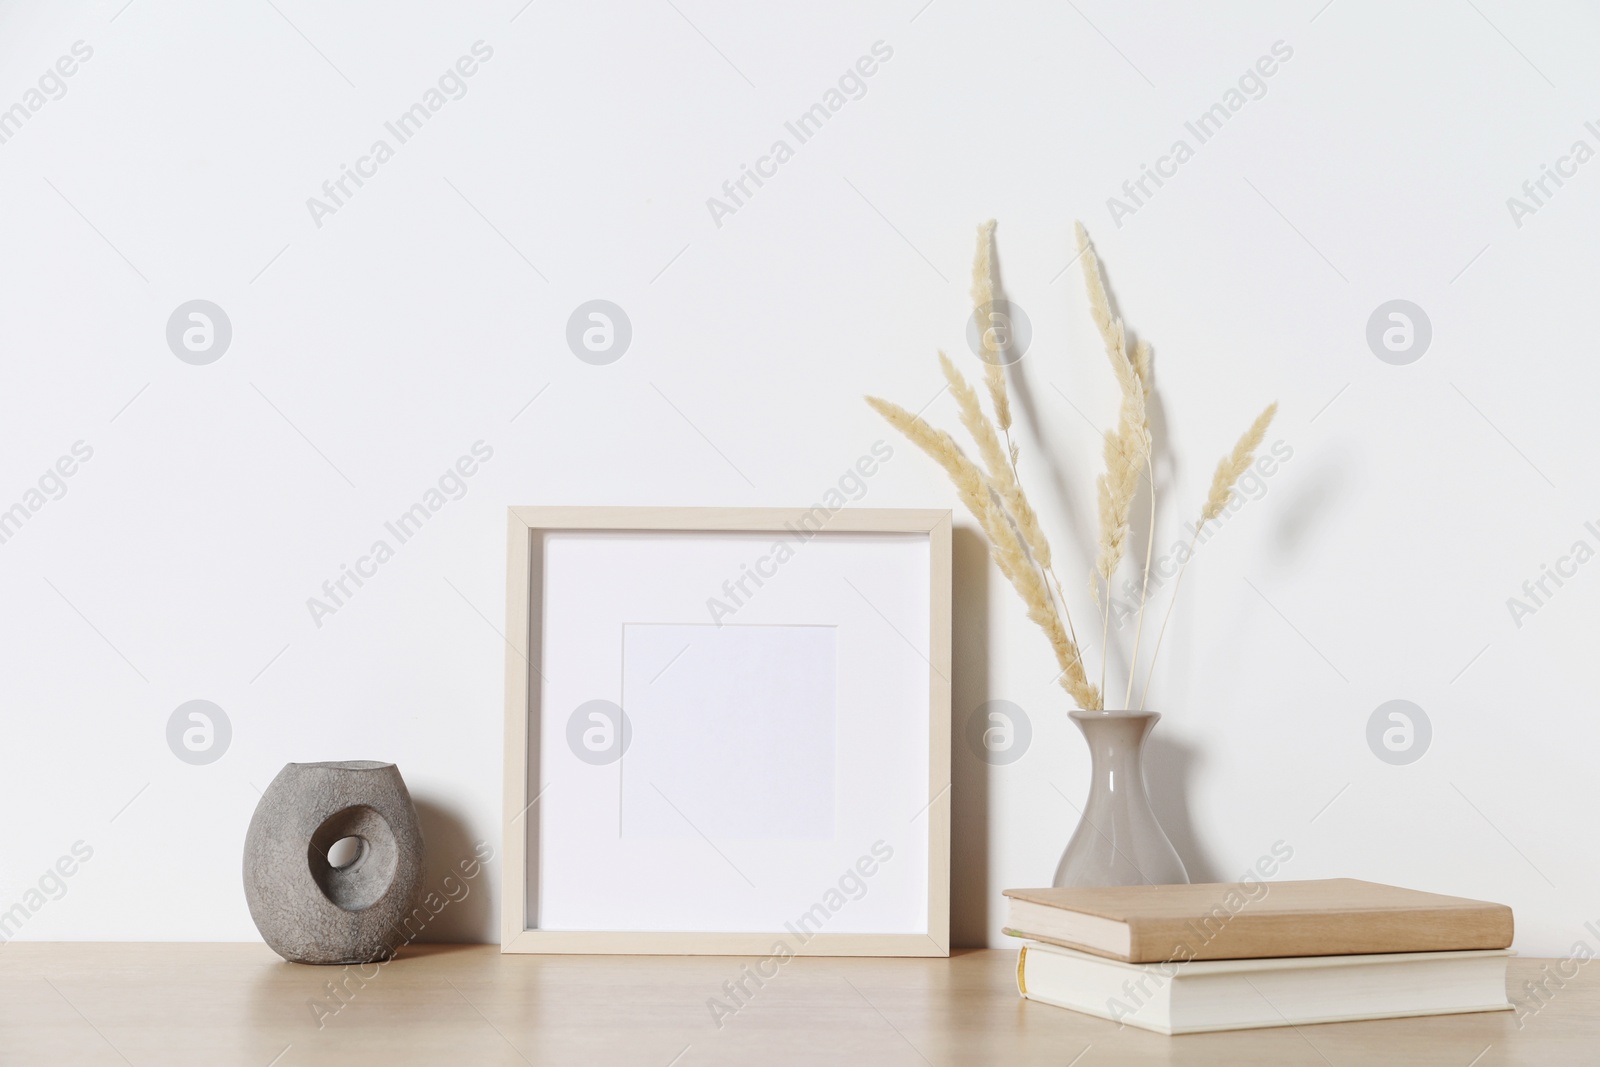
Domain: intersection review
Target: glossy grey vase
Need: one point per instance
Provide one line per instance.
(310, 911)
(1118, 840)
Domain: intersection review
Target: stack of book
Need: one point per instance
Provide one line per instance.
(1181, 959)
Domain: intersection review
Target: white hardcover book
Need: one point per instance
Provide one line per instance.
(1202, 995)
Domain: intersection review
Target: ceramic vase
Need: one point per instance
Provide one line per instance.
(1118, 840)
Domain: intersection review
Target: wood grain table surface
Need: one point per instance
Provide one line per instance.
(174, 1004)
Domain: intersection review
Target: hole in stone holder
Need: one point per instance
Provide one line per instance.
(362, 839)
(345, 851)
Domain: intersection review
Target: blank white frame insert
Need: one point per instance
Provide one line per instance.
(733, 731)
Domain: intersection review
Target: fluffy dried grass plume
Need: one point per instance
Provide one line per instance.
(1002, 475)
(1099, 306)
(1110, 327)
(1127, 447)
(1235, 463)
(1141, 365)
(1126, 450)
(994, 495)
(994, 375)
(943, 450)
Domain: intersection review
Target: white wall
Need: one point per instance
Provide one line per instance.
(431, 307)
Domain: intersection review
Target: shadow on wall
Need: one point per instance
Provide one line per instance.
(465, 917)
(969, 776)
(1169, 767)
(1312, 497)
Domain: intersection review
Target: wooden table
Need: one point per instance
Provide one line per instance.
(168, 1005)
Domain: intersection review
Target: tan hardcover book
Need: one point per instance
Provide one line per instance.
(1255, 920)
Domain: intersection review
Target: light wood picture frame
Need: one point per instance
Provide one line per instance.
(594, 569)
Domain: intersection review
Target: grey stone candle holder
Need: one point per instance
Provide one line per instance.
(308, 910)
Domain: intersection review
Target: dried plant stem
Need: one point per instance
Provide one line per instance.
(1009, 480)
(1127, 448)
(1141, 365)
(1047, 567)
(1105, 637)
(1061, 598)
(1182, 569)
(1002, 479)
(1229, 469)
(1005, 544)
(1144, 589)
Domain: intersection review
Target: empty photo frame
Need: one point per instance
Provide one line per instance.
(726, 729)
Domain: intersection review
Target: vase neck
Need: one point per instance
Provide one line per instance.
(1116, 750)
